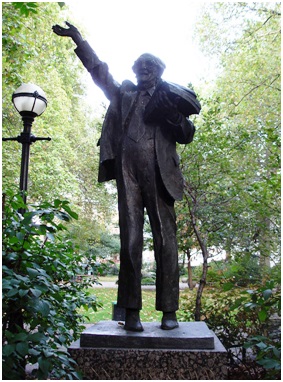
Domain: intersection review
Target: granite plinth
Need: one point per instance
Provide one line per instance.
(110, 362)
(110, 334)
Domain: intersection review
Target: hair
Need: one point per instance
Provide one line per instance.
(159, 63)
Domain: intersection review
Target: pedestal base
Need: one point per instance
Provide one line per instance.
(119, 360)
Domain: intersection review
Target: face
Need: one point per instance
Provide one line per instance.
(146, 70)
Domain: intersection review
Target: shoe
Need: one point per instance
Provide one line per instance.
(132, 321)
(169, 321)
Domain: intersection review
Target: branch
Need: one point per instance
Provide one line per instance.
(256, 87)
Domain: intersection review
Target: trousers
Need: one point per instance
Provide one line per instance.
(140, 188)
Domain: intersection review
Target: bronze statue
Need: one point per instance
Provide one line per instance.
(138, 149)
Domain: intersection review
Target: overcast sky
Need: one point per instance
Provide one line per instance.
(120, 31)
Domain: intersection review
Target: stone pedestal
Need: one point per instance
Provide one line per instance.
(106, 351)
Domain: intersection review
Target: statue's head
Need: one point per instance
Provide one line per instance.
(148, 68)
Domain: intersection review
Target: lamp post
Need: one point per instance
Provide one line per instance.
(30, 101)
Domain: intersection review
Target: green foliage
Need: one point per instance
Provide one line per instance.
(67, 166)
(41, 296)
(268, 354)
(33, 53)
(148, 281)
(244, 136)
(264, 301)
(26, 8)
(232, 168)
(241, 318)
(107, 246)
(243, 270)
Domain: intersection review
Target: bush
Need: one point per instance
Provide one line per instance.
(112, 270)
(148, 281)
(242, 271)
(41, 296)
(240, 318)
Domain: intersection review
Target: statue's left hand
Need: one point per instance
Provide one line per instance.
(168, 108)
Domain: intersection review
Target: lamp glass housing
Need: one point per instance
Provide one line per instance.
(29, 98)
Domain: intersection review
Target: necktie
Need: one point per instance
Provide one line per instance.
(136, 128)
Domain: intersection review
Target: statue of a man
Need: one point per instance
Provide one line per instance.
(141, 155)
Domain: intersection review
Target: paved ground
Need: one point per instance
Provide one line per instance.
(112, 284)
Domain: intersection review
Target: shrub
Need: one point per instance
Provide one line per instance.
(41, 296)
(240, 318)
(148, 281)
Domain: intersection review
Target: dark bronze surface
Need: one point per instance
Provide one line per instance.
(109, 334)
(140, 153)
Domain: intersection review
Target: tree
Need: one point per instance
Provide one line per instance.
(232, 167)
(251, 85)
(67, 166)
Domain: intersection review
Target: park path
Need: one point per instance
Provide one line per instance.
(112, 284)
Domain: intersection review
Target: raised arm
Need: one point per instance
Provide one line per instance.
(98, 69)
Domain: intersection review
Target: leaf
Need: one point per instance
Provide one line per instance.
(34, 352)
(8, 349)
(262, 315)
(44, 365)
(267, 293)
(20, 236)
(41, 229)
(20, 337)
(36, 337)
(269, 363)
(261, 345)
(236, 303)
(22, 348)
(42, 307)
(35, 292)
(12, 292)
(23, 292)
(57, 203)
(48, 353)
(13, 240)
(250, 305)
(33, 272)
(276, 352)
(12, 256)
(70, 212)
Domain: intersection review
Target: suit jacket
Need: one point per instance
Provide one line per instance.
(121, 99)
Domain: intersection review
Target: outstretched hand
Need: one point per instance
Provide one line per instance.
(72, 32)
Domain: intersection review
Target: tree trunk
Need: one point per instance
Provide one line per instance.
(190, 275)
(202, 282)
(264, 244)
(204, 250)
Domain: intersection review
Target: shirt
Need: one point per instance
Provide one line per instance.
(137, 128)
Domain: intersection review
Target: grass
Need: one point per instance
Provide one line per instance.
(106, 296)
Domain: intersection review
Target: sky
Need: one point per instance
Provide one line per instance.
(120, 31)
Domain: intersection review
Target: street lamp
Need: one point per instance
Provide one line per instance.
(30, 101)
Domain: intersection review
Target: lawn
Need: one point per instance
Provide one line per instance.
(107, 296)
